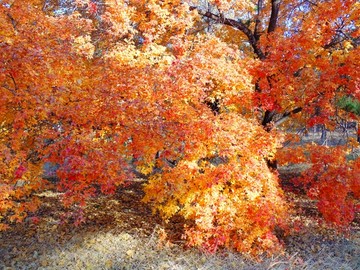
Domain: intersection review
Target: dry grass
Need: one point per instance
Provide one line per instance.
(114, 250)
(121, 233)
(126, 251)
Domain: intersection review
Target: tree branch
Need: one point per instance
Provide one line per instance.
(7, 87)
(275, 7)
(286, 115)
(238, 24)
(257, 20)
(13, 22)
(268, 117)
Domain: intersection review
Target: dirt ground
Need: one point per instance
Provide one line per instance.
(120, 232)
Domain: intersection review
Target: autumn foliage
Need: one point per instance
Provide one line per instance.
(332, 180)
(110, 90)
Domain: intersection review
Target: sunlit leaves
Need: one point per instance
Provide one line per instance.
(120, 89)
(226, 188)
(83, 46)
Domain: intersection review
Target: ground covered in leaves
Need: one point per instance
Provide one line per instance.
(120, 232)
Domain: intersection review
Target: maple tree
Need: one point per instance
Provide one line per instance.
(110, 90)
(306, 65)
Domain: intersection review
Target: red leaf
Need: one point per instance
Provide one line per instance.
(20, 171)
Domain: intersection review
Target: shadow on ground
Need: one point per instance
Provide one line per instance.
(120, 232)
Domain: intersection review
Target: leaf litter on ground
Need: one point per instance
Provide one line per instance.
(120, 232)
